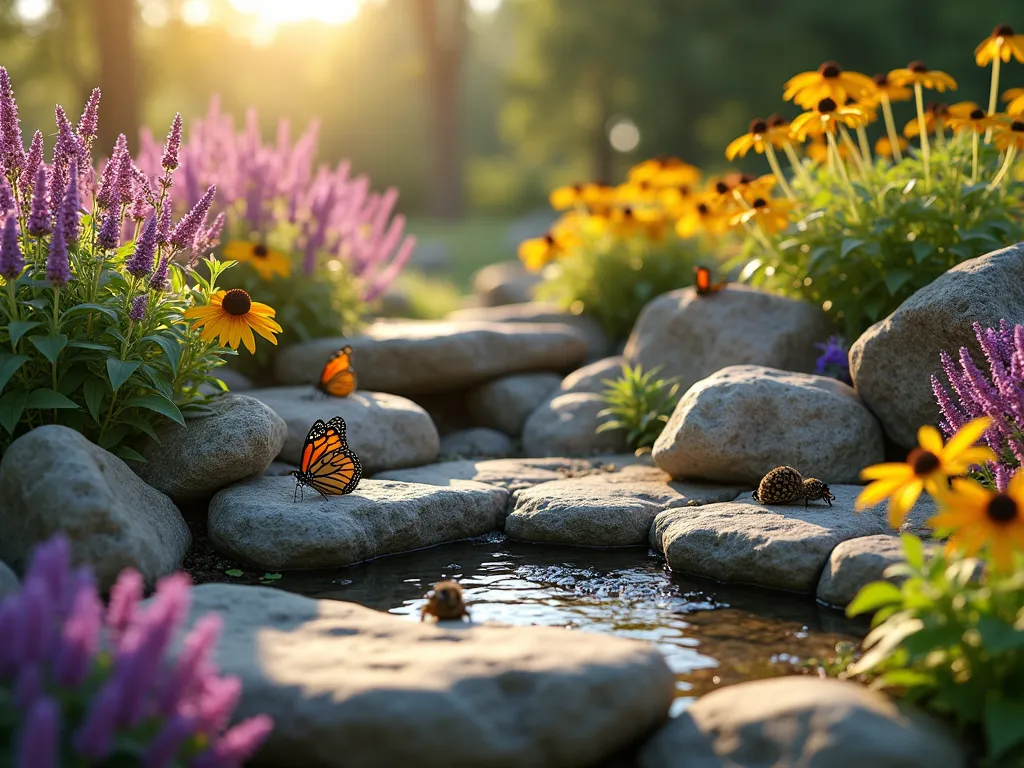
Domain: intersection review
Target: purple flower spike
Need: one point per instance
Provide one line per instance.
(27, 182)
(6, 198)
(169, 161)
(164, 749)
(159, 280)
(11, 259)
(141, 262)
(28, 685)
(80, 640)
(125, 596)
(58, 267)
(39, 220)
(834, 361)
(39, 744)
(109, 235)
(70, 209)
(124, 176)
(105, 195)
(95, 737)
(12, 149)
(237, 745)
(163, 234)
(138, 310)
(185, 232)
(197, 649)
(90, 118)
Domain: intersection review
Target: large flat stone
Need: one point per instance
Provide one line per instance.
(385, 431)
(540, 312)
(856, 563)
(417, 358)
(54, 480)
(783, 547)
(507, 402)
(258, 520)
(604, 510)
(478, 442)
(349, 687)
(567, 425)
(800, 722)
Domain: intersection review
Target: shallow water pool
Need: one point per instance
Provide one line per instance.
(711, 634)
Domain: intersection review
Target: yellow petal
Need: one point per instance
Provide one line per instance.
(965, 437)
(891, 469)
(928, 437)
(903, 501)
(247, 338)
(1016, 487)
(876, 492)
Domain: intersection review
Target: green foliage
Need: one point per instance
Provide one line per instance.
(861, 251)
(611, 279)
(423, 297)
(952, 640)
(74, 356)
(640, 404)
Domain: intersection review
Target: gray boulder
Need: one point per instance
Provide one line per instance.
(892, 362)
(507, 402)
(856, 563)
(567, 426)
(506, 282)
(481, 442)
(54, 480)
(540, 312)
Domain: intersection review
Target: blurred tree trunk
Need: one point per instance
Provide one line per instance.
(443, 31)
(114, 30)
(603, 158)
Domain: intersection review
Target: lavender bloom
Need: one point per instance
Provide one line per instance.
(80, 641)
(105, 195)
(39, 219)
(165, 746)
(999, 395)
(141, 262)
(163, 233)
(27, 181)
(12, 149)
(835, 360)
(124, 175)
(67, 148)
(89, 121)
(11, 259)
(238, 744)
(109, 235)
(70, 209)
(186, 230)
(58, 266)
(6, 198)
(159, 280)
(125, 596)
(142, 196)
(39, 745)
(138, 310)
(169, 161)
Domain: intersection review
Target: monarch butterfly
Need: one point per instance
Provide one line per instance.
(338, 378)
(703, 283)
(329, 465)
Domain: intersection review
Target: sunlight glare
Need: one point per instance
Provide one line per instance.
(273, 13)
(195, 13)
(31, 11)
(624, 136)
(484, 7)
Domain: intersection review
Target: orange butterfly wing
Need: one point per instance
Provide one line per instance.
(337, 378)
(703, 283)
(328, 465)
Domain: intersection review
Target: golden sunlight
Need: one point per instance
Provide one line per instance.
(274, 13)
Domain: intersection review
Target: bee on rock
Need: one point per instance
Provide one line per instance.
(784, 485)
(445, 602)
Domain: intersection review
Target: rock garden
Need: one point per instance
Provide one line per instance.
(230, 496)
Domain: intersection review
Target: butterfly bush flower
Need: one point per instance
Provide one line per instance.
(159, 280)
(834, 360)
(109, 234)
(12, 150)
(70, 209)
(39, 219)
(141, 262)
(27, 180)
(11, 259)
(89, 121)
(58, 268)
(138, 308)
(169, 161)
(6, 198)
(998, 394)
(184, 234)
(88, 681)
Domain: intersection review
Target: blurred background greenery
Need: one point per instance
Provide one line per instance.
(475, 108)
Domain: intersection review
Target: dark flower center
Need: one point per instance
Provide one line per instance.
(1002, 509)
(703, 208)
(917, 67)
(577, 188)
(827, 105)
(758, 126)
(924, 462)
(774, 121)
(881, 80)
(236, 302)
(259, 251)
(549, 239)
(760, 203)
(684, 191)
(745, 178)
(937, 108)
(644, 185)
(721, 187)
(1002, 31)
(829, 69)
(627, 212)
(977, 114)
(1017, 126)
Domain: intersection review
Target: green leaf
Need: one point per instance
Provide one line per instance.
(922, 251)
(997, 636)
(50, 346)
(90, 345)
(48, 398)
(18, 328)
(270, 577)
(130, 454)
(95, 390)
(234, 572)
(913, 550)
(896, 279)
(1003, 718)
(171, 348)
(119, 371)
(12, 405)
(873, 596)
(112, 314)
(157, 403)
(849, 244)
(9, 365)
(964, 251)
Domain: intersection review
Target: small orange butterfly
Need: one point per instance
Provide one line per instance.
(703, 283)
(338, 378)
(329, 466)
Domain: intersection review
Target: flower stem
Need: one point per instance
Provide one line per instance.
(798, 168)
(865, 147)
(838, 162)
(993, 94)
(854, 152)
(922, 126)
(773, 161)
(890, 128)
(56, 308)
(974, 157)
(1011, 152)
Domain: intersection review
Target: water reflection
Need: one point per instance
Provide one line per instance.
(711, 634)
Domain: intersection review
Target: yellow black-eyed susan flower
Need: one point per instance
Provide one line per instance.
(266, 261)
(829, 81)
(636, 193)
(979, 518)
(700, 217)
(936, 117)
(665, 171)
(825, 116)
(885, 87)
(975, 121)
(927, 467)
(630, 222)
(883, 147)
(1015, 97)
(1008, 135)
(771, 215)
(1002, 44)
(231, 317)
(918, 73)
(757, 136)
